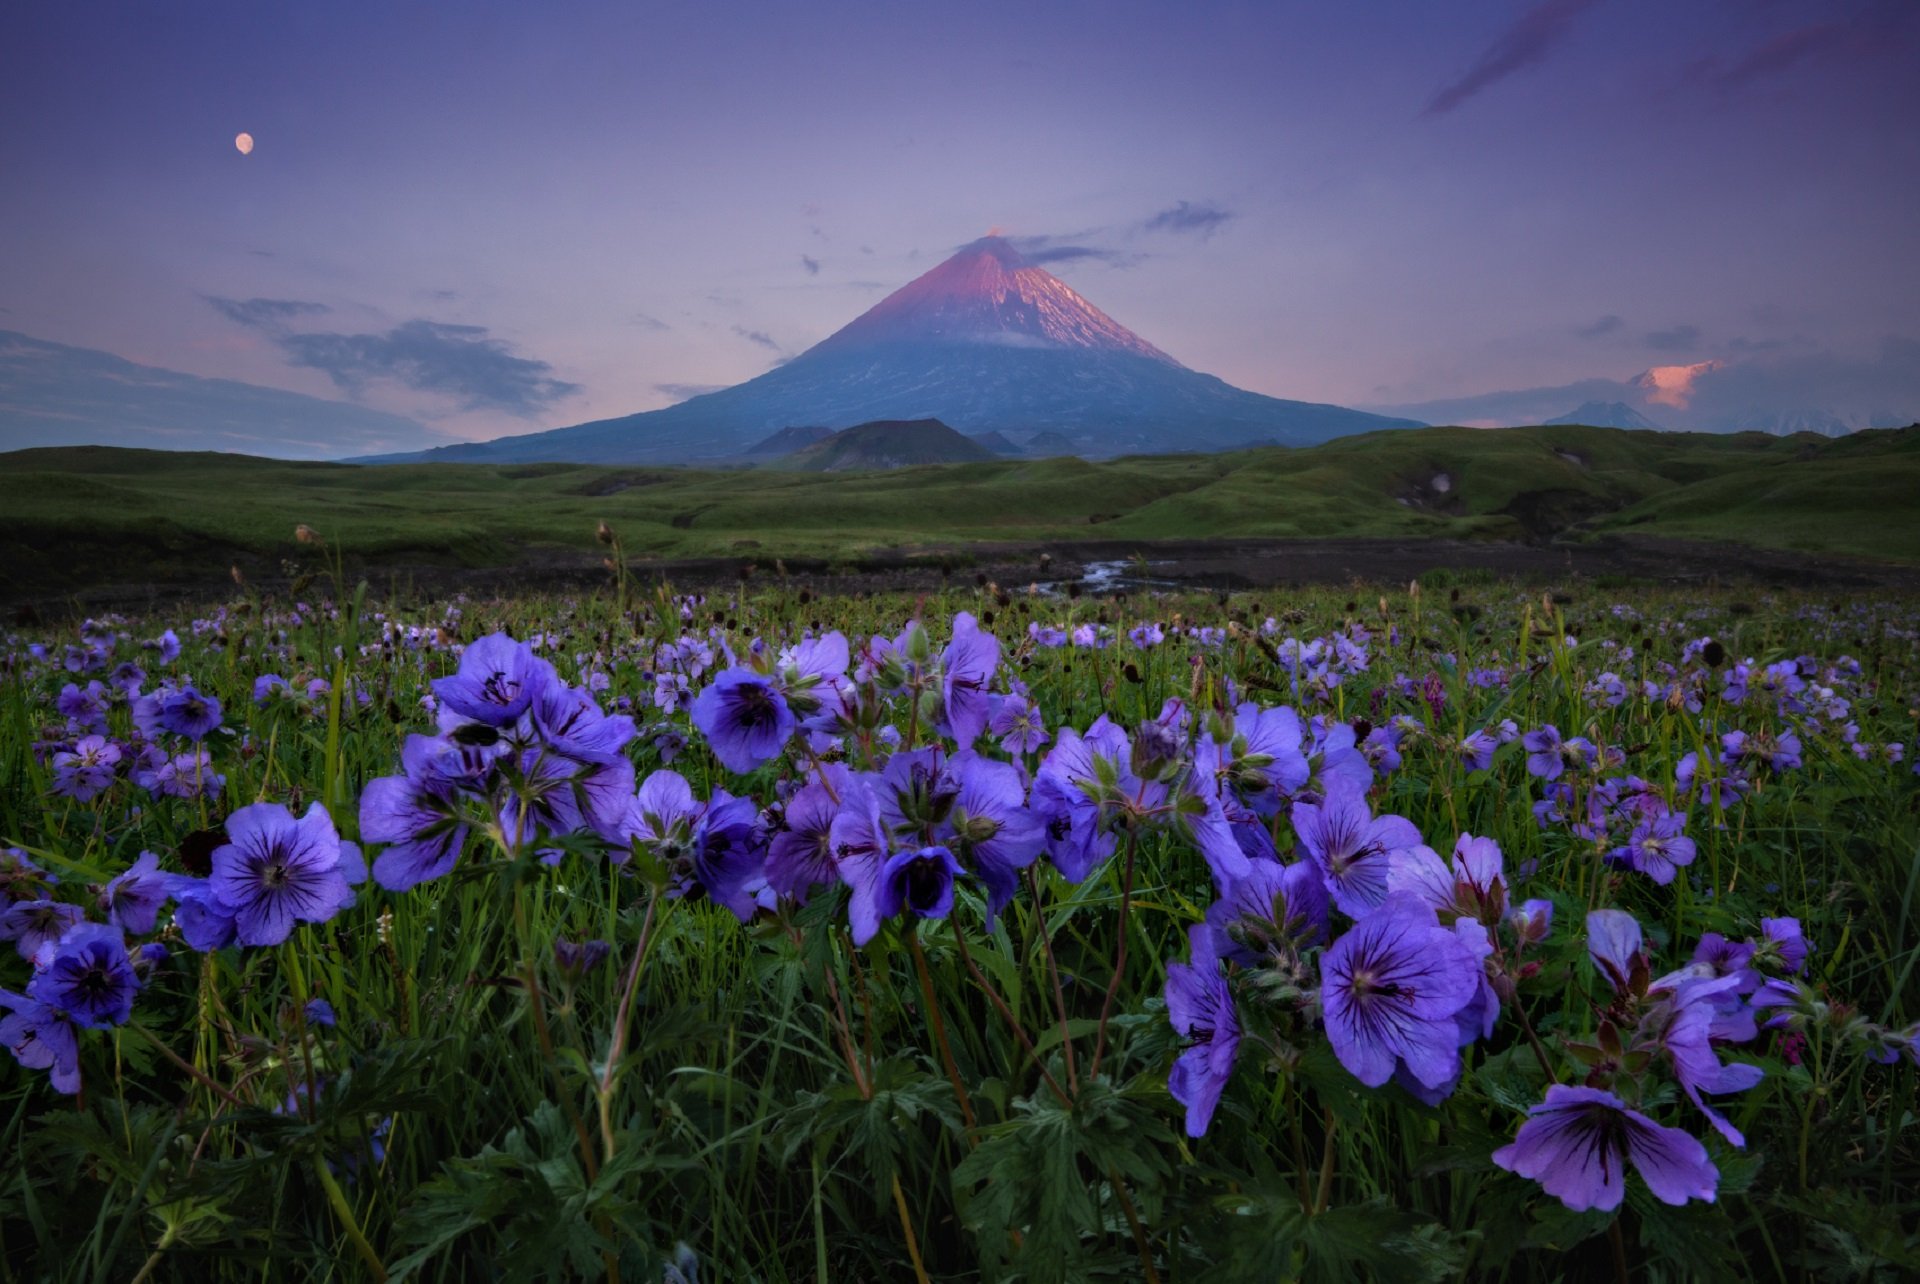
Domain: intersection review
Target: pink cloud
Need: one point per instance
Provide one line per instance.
(1673, 385)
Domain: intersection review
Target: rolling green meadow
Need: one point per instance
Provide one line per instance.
(88, 516)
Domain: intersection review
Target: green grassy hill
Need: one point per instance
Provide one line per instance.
(90, 515)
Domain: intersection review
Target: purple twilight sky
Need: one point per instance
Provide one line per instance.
(623, 204)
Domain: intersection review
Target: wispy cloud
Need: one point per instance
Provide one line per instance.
(642, 321)
(760, 337)
(1678, 338)
(1600, 329)
(811, 264)
(266, 314)
(682, 391)
(1204, 218)
(1769, 59)
(1529, 40)
(457, 361)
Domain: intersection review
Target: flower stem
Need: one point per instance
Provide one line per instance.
(940, 1034)
(344, 1211)
(1119, 957)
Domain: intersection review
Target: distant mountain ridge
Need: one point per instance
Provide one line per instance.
(1606, 414)
(985, 342)
(54, 394)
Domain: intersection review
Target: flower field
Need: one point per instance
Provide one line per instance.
(1442, 931)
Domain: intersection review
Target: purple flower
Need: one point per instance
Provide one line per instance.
(134, 897)
(1063, 796)
(813, 678)
(1549, 756)
(861, 841)
(744, 718)
(276, 871)
(1211, 827)
(730, 853)
(1613, 942)
(989, 827)
(87, 770)
(577, 958)
(84, 707)
(418, 814)
(184, 712)
(497, 681)
(1200, 1006)
(1691, 1015)
(1783, 942)
(1578, 1142)
(1531, 921)
(33, 924)
(1476, 751)
(967, 666)
(184, 775)
(572, 722)
(204, 920)
(1274, 907)
(41, 1037)
(800, 857)
(1016, 725)
(918, 882)
(1352, 847)
(320, 1012)
(87, 975)
(1389, 990)
(1658, 847)
(548, 792)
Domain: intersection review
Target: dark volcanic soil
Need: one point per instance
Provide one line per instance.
(1169, 564)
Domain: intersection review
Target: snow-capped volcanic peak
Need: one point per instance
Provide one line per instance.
(988, 294)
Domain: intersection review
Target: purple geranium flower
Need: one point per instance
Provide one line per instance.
(1613, 942)
(84, 772)
(800, 857)
(204, 920)
(919, 882)
(967, 666)
(1353, 848)
(33, 924)
(1531, 921)
(1016, 725)
(1578, 1143)
(1658, 847)
(134, 897)
(1273, 907)
(744, 718)
(1201, 1008)
(41, 1037)
(730, 853)
(497, 681)
(990, 828)
(573, 723)
(577, 958)
(418, 813)
(1782, 942)
(276, 871)
(1063, 796)
(88, 975)
(1390, 988)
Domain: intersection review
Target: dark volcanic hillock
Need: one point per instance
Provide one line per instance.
(788, 440)
(888, 443)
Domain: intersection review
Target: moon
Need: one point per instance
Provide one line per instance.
(243, 142)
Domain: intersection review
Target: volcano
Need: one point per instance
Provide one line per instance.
(985, 342)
